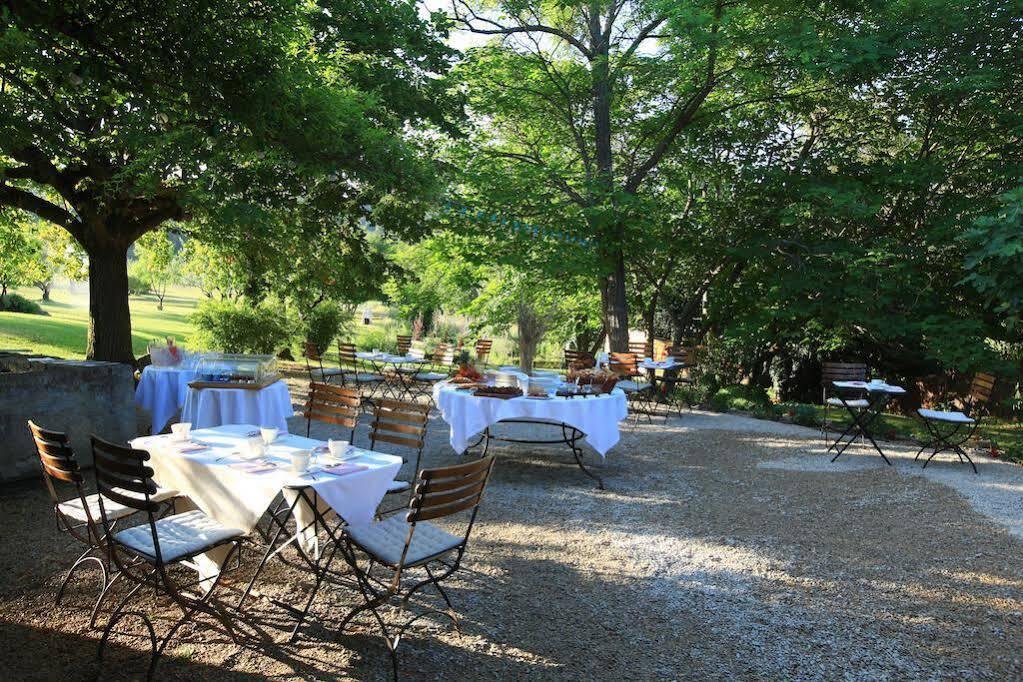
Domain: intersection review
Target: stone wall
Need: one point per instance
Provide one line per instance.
(79, 398)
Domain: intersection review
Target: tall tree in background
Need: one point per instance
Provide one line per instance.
(589, 97)
(118, 116)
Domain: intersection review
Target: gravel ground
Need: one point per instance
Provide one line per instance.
(721, 549)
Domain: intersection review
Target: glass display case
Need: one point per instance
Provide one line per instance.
(237, 369)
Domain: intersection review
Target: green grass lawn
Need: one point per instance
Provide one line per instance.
(62, 333)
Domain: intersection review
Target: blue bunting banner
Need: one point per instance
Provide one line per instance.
(479, 215)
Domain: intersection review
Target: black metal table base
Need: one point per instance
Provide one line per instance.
(860, 425)
(570, 436)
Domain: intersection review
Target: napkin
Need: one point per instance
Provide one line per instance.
(253, 467)
(192, 447)
(345, 468)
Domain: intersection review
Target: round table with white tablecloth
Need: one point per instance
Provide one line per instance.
(592, 418)
(268, 406)
(162, 391)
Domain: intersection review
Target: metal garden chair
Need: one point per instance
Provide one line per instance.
(402, 424)
(403, 543)
(483, 348)
(638, 391)
(574, 357)
(78, 516)
(144, 554)
(368, 384)
(949, 430)
(314, 364)
(855, 400)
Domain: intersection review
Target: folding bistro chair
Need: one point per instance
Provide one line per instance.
(404, 344)
(841, 371)
(441, 360)
(950, 430)
(314, 364)
(637, 390)
(327, 404)
(402, 543)
(78, 517)
(574, 357)
(368, 384)
(144, 554)
(483, 347)
(642, 349)
(403, 424)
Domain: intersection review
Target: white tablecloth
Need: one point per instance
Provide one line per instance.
(871, 387)
(468, 415)
(238, 498)
(269, 406)
(161, 391)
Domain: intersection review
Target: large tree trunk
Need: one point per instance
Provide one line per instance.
(616, 311)
(109, 314)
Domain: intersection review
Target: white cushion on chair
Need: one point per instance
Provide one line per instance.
(430, 376)
(180, 536)
(954, 417)
(385, 540)
(327, 372)
(857, 402)
(363, 378)
(73, 508)
(630, 386)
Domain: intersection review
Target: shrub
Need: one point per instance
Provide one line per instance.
(241, 328)
(13, 303)
(325, 322)
(137, 286)
(739, 397)
(799, 413)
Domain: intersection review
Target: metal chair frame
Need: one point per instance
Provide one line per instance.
(626, 365)
(439, 493)
(123, 477)
(314, 361)
(58, 462)
(838, 371)
(352, 367)
(953, 439)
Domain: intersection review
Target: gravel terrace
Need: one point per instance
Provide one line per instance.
(722, 548)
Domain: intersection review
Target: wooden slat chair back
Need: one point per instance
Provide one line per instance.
(483, 348)
(346, 355)
(642, 349)
(573, 356)
(310, 351)
(404, 344)
(443, 355)
(624, 364)
(842, 371)
(981, 388)
(60, 469)
(400, 423)
(444, 491)
(332, 404)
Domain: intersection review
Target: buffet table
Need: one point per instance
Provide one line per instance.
(162, 392)
(268, 406)
(592, 418)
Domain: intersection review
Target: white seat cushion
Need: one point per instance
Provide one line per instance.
(954, 417)
(630, 386)
(181, 535)
(852, 402)
(363, 378)
(385, 540)
(73, 508)
(431, 376)
(327, 372)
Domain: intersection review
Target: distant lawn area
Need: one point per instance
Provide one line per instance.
(62, 333)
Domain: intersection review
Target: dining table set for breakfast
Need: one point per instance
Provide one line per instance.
(577, 413)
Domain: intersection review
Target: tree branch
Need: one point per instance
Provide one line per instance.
(470, 16)
(15, 197)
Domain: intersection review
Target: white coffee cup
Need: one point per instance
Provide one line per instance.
(338, 448)
(300, 461)
(180, 431)
(255, 447)
(269, 434)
